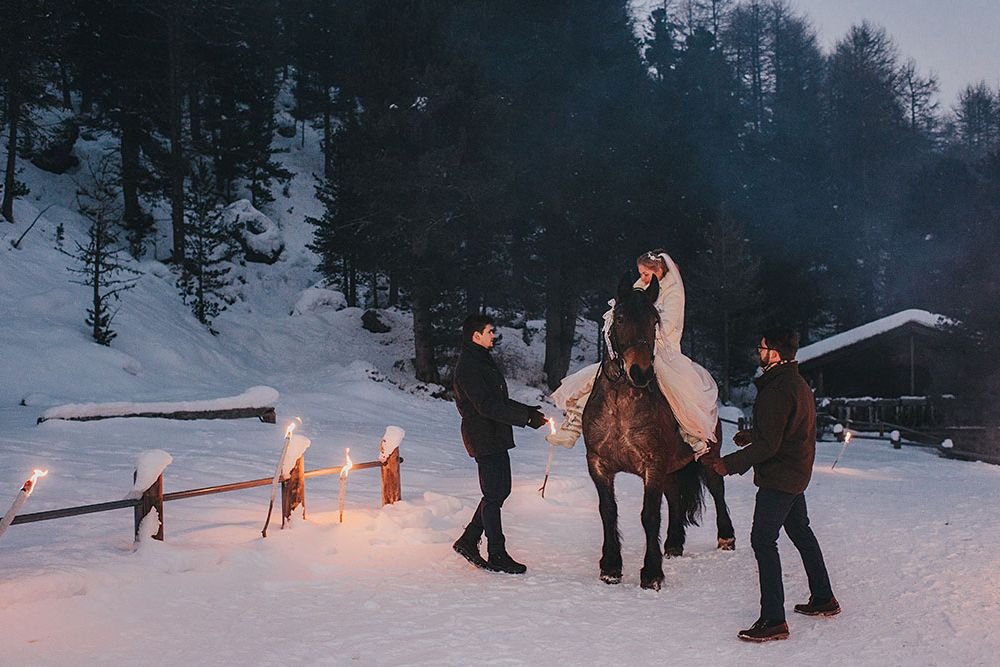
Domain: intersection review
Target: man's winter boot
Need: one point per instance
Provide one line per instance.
(765, 631)
(468, 549)
(502, 562)
(570, 431)
(814, 608)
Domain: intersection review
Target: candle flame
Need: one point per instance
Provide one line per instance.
(847, 437)
(552, 424)
(291, 426)
(346, 469)
(29, 485)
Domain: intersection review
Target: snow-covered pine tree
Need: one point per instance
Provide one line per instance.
(101, 266)
(206, 265)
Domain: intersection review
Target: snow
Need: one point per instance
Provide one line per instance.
(260, 234)
(149, 526)
(315, 298)
(254, 397)
(910, 539)
(730, 413)
(870, 330)
(149, 465)
(297, 446)
(391, 441)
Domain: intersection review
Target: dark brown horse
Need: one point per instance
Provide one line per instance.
(628, 427)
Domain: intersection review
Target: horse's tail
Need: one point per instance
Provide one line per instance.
(692, 492)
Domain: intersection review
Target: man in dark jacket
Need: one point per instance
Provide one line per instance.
(781, 448)
(487, 415)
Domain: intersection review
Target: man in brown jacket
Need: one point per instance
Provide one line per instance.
(781, 448)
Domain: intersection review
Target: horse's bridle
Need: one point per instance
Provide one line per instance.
(619, 358)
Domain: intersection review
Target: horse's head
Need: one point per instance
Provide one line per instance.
(635, 320)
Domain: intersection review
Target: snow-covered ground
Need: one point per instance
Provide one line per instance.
(911, 540)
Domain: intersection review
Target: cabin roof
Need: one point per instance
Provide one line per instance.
(870, 330)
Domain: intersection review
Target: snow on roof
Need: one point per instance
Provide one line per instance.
(870, 330)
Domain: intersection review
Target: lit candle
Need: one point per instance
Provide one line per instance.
(548, 464)
(22, 497)
(344, 472)
(847, 441)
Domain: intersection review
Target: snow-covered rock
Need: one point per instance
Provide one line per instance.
(260, 236)
(319, 298)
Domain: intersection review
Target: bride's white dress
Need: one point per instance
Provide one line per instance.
(690, 390)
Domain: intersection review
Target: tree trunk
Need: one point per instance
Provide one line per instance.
(560, 325)
(194, 114)
(176, 101)
(393, 288)
(375, 289)
(561, 302)
(67, 98)
(726, 362)
(130, 128)
(327, 134)
(98, 260)
(423, 329)
(13, 118)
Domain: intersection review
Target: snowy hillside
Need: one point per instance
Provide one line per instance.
(910, 539)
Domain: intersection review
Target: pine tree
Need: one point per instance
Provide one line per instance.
(203, 277)
(725, 297)
(100, 264)
(26, 61)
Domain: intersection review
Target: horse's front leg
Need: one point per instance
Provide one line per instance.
(611, 552)
(651, 575)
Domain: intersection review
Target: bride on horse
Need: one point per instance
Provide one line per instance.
(689, 389)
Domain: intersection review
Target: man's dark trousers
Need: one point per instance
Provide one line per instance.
(494, 480)
(773, 510)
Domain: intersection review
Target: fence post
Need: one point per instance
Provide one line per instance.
(293, 491)
(391, 486)
(152, 498)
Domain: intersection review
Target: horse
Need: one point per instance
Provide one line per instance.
(628, 426)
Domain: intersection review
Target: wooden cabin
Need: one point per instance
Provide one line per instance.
(898, 369)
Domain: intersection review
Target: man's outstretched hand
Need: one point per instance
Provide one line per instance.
(536, 419)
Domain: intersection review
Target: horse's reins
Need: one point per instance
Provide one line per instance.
(619, 358)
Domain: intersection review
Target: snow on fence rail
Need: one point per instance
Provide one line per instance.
(292, 490)
(254, 402)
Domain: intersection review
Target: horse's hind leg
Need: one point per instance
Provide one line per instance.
(674, 545)
(611, 552)
(651, 575)
(717, 487)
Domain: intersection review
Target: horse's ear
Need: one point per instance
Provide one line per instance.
(625, 285)
(653, 291)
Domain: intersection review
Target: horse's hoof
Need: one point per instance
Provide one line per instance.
(727, 543)
(673, 552)
(652, 584)
(611, 579)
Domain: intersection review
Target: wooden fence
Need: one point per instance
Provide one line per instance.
(292, 493)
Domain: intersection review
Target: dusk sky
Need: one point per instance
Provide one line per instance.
(956, 39)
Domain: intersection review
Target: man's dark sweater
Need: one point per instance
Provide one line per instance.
(783, 441)
(487, 411)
